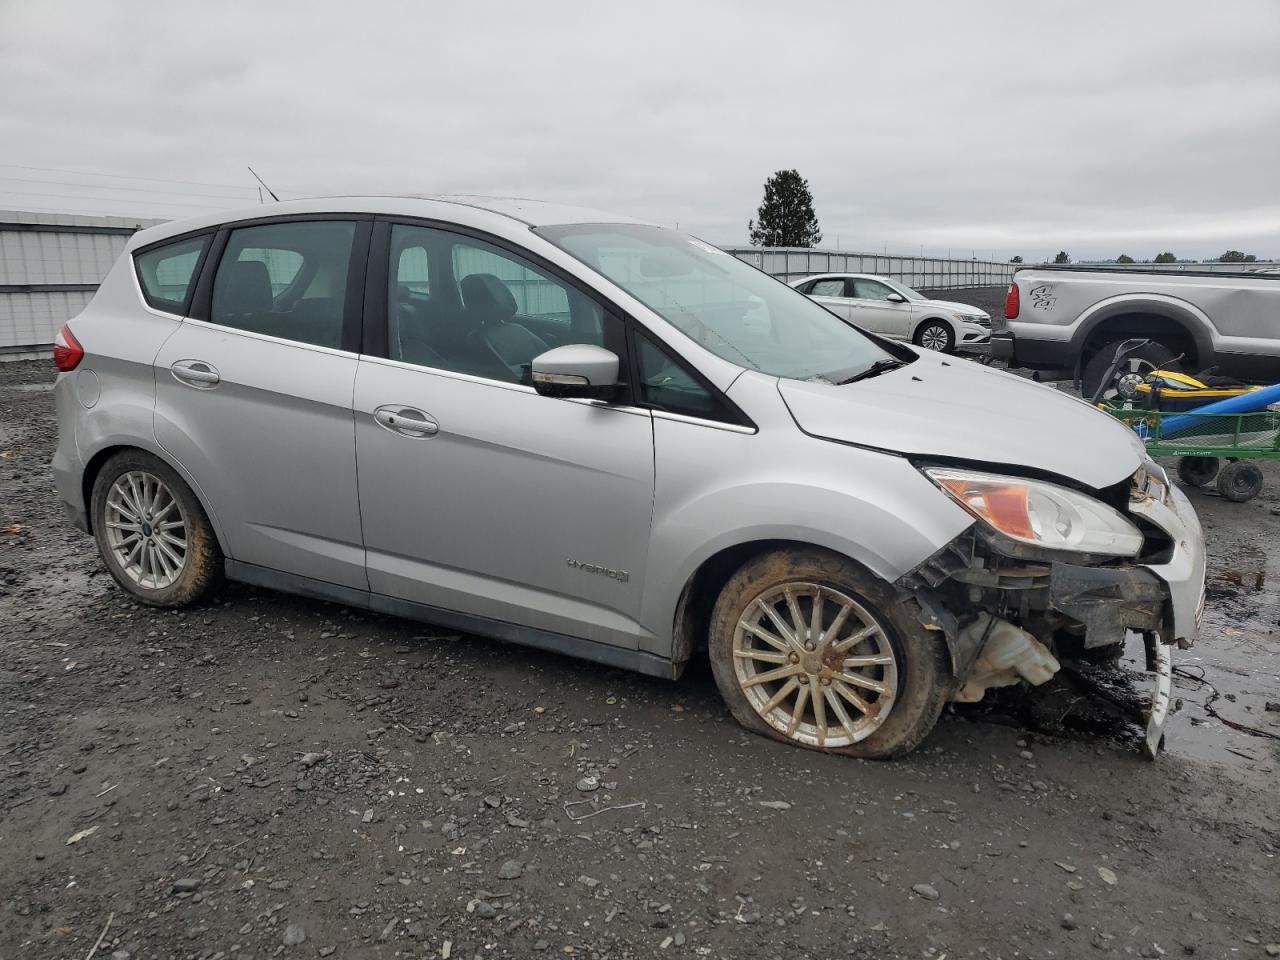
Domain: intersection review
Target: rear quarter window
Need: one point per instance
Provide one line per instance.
(167, 272)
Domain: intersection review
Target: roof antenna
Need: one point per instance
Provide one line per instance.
(264, 185)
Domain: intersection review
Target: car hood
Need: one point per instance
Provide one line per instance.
(959, 410)
(965, 308)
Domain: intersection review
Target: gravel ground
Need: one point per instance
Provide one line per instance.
(272, 776)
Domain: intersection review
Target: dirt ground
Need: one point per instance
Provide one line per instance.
(271, 776)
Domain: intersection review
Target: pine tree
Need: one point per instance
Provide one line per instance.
(786, 217)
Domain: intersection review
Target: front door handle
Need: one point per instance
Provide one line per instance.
(406, 421)
(195, 373)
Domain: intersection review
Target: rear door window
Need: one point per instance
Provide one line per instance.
(167, 273)
(286, 280)
(827, 288)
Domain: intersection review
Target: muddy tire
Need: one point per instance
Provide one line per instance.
(152, 533)
(862, 678)
(1197, 471)
(1239, 481)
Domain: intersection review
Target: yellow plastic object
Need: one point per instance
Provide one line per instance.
(1186, 387)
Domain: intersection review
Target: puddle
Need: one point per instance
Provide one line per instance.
(1238, 656)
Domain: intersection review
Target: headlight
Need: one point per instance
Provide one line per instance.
(1039, 513)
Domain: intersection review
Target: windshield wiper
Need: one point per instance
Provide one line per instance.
(877, 368)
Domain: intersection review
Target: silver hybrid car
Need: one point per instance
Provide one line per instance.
(609, 439)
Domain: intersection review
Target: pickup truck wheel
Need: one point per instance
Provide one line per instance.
(936, 335)
(1239, 481)
(810, 649)
(152, 533)
(1154, 356)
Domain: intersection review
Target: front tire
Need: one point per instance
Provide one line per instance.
(152, 533)
(936, 335)
(808, 648)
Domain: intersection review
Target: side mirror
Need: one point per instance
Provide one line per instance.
(577, 370)
(896, 298)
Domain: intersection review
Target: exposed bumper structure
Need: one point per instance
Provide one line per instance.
(1009, 615)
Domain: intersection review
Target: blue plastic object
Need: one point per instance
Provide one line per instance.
(1245, 403)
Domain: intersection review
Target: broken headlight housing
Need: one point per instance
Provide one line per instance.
(1040, 514)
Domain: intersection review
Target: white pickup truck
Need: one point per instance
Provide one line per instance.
(1073, 318)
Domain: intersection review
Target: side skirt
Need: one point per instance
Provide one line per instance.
(636, 660)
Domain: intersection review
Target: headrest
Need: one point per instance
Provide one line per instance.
(243, 286)
(485, 293)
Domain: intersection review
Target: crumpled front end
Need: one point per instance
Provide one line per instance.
(1010, 613)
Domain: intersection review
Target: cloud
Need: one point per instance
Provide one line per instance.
(1001, 127)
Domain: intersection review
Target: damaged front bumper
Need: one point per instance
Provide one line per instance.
(1009, 613)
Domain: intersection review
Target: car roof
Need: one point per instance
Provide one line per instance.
(478, 211)
(841, 276)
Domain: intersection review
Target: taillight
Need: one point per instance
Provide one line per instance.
(1011, 303)
(67, 352)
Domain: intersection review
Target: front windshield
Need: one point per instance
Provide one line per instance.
(729, 307)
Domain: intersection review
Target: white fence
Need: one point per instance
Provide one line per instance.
(922, 273)
(50, 265)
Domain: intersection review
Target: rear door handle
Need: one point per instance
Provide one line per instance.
(406, 421)
(195, 373)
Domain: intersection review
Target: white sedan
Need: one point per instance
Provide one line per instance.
(894, 310)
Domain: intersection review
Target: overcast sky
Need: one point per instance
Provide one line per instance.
(1098, 127)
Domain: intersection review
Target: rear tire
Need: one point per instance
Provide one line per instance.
(871, 685)
(1197, 471)
(1154, 356)
(1239, 481)
(152, 533)
(936, 335)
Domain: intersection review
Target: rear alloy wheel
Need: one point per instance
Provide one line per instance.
(936, 335)
(152, 533)
(146, 530)
(803, 650)
(1240, 480)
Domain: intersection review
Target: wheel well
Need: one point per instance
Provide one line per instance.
(91, 471)
(99, 459)
(693, 612)
(1165, 330)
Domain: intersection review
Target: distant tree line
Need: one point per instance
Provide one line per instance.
(1230, 256)
(786, 218)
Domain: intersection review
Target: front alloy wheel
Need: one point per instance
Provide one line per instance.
(815, 664)
(936, 336)
(811, 648)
